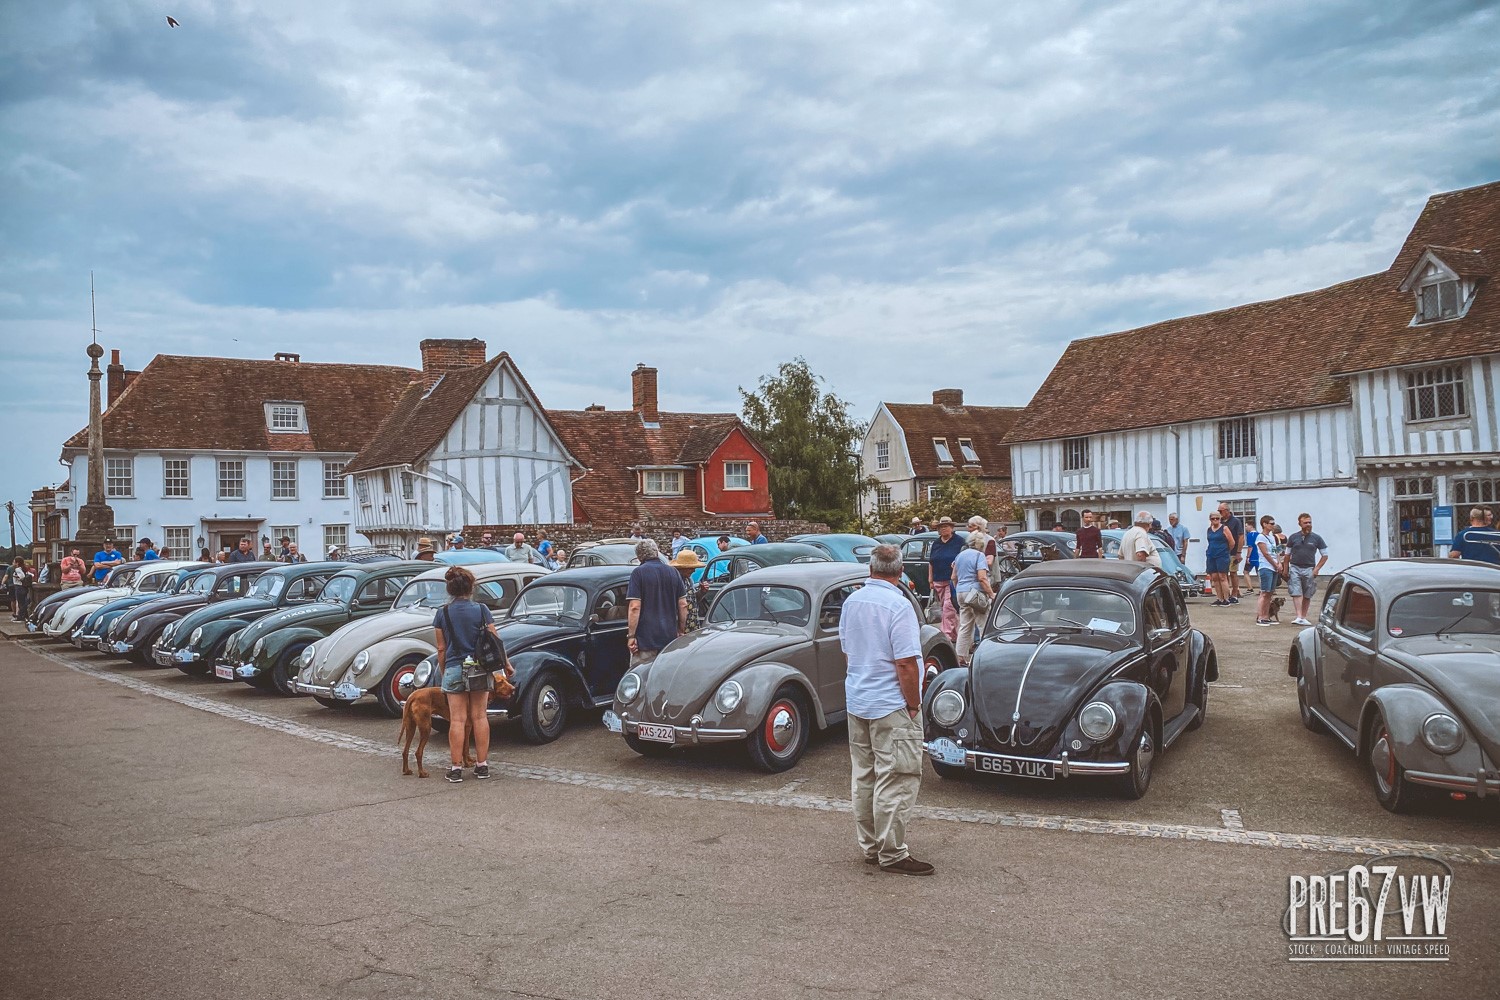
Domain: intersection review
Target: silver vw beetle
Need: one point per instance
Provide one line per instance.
(371, 656)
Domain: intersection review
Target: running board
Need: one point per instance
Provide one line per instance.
(1178, 726)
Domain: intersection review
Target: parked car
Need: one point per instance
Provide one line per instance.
(892, 539)
(705, 547)
(136, 631)
(612, 553)
(148, 578)
(195, 644)
(268, 652)
(1403, 667)
(1025, 549)
(376, 656)
(94, 630)
(565, 636)
(469, 557)
(846, 548)
(728, 566)
(1086, 667)
(916, 550)
(1170, 564)
(765, 669)
(42, 612)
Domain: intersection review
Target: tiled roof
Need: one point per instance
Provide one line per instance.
(1465, 263)
(421, 417)
(1193, 364)
(985, 426)
(216, 404)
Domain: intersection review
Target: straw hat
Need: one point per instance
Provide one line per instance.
(425, 545)
(688, 559)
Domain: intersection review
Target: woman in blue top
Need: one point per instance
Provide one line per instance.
(971, 577)
(1220, 542)
(458, 626)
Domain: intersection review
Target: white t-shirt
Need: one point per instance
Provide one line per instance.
(1138, 539)
(877, 627)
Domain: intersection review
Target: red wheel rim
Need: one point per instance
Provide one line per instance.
(395, 682)
(781, 742)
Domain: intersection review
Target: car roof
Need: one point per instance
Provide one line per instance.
(230, 569)
(1088, 572)
(963, 532)
(1048, 536)
(814, 576)
(481, 571)
(1407, 574)
(774, 552)
(842, 536)
(468, 557)
(588, 576)
(375, 571)
(296, 571)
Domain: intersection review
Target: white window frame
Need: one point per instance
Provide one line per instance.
(362, 490)
(178, 538)
(882, 455)
(1473, 490)
(944, 453)
(284, 479)
(882, 499)
(286, 418)
(1076, 454)
(236, 468)
(290, 531)
(408, 487)
(124, 536)
(663, 487)
(119, 476)
(732, 477)
(335, 535)
(1236, 439)
(1431, 307)
(1420, 383)
(335, 483)
(931, 492)
(966, 449)
(176, 486)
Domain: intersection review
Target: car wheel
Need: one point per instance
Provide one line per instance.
(544, 709)
(646, 748)
(781, 738)
(1310, 721)
(285, 670)
(329, 702)
(1134, 784)
(388, 691)
(1392, 790)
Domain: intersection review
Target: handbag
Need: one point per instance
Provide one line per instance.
(977, 600)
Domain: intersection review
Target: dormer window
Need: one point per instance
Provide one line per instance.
(1438, 301)
(966, 449)
(1443, 282)
(944, 456)
(286, 418)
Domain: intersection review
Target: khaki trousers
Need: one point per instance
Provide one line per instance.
(968, 620)
(886, 755)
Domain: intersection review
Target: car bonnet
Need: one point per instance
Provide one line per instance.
(685, 674)
(337, 652)
(1047, 675)
(1465, 670)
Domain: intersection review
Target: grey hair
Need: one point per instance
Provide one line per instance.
(886, 561)
(978, 522)
(646, 550)
(977, 540)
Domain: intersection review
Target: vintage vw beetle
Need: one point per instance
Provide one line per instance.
(136, 631)
(765, 669)
(565, 636)
(728, 566)
(1025, 549)
(123, 581)
(1170, 563)
(1403, 666)
(373, 656)
(200, 636)
(94, 630)
(43, 611)
(267, 653)
(916, 557)
(1086, 667)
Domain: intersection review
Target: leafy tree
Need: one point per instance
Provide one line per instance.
(811, 440)
(958, 496)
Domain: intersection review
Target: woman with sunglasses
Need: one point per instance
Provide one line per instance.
(1220, 543)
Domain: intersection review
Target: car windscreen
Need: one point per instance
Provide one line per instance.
(268, 586)
(785, 605)
(1097, 610)
(1435, 612)
(338, 589)
(123, 578)
(154, 583)
(553, 600)
(422, 594)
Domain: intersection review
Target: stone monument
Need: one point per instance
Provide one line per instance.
(96, 518)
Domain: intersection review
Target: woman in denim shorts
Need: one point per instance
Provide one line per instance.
(458, 624)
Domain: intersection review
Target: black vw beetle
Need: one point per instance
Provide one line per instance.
(565, 636)
(1086, 667)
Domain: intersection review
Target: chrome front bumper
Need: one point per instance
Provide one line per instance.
(343, 691)
(1478, 785)
(945, 751)
(693, 734)
(185, 657)
(119, 647)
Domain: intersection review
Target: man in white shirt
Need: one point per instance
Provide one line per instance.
(1137, 545)
(882, 642)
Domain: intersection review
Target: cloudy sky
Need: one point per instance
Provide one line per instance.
(911, 195)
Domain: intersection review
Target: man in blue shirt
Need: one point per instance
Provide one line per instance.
(148, 550)
(1477, 542)
(1180, 535)
(657, 602)
(105, 560)
(753, 535)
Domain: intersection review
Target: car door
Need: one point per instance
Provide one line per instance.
(1167, 636)
(606, 656)
(374, 597)
(832, 667)
(914, 559)
(1347, 637)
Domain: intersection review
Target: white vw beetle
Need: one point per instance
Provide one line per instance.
(148, 578)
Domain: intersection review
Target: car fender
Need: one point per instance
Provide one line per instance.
(937, 645)
(277, 642)
(1406, 707)
(215, 631)
(760, 681)
(953, 679)
(1305, 644)
(533, 663)
(1204, 659)
(1133, 703)
(150, 624)
(385, 654)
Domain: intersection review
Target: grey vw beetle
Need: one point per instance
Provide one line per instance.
(765, 669)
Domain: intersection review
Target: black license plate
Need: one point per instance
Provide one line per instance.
(1016, 767)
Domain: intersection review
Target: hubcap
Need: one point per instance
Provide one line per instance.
(548, 706)
(398, 678)
(1145, 755)
(781, 728)
(1384, 762)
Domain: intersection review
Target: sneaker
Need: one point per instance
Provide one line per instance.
(1233, 600)
(1300, 621)
(908, 866)
(481, 771)
(455, 774)
(1264, 621)
(1219, 604)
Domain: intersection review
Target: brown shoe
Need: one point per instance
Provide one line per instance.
(908, 866)
(872, 859)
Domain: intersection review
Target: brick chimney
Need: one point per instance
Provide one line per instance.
(952, 398)
(288, 357)
(643, 393)
(114, 379)
(594, 408)
(439, 356)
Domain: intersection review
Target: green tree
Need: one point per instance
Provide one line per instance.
(811, 440)
(958, 496)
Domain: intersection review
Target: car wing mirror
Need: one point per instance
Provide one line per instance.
(1158, 634)
(593, 620)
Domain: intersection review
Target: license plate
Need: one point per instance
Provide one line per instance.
(1015, 767)
(224, 671)
(657, 734)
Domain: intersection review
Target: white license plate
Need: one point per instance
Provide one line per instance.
(224, 671)
(657, 734)
(1015, 767)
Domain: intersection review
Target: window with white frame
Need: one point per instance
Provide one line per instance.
(283, 479)
(334, 485)
(335, 535)
(286, 418)
(1237, 438)
(1472, 491)
(119, 477)
(944, 456)
(736, 475)
(882, 455)
(663, 483)
(408, 487)
(931, 492)
(1436, 393)
(287, 531)
(124, 536)
(180, 541)
(1438, 300)
(966, 449)
(1245, 511)
(231, 479)
(362, 490)
(1075, 454)
(883, 499)
(175, 480)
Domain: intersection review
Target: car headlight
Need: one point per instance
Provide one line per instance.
(133, 629)
(361, 661)
(1442, 733)
(258, 648)
(422, 676)
(197, 634)
(1097, 720)
(729, 696)
(947, 707)
(630, 686)
(166, 633)
(308, 654)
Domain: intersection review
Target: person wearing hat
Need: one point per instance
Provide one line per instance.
(917, 527)
(333, 552)
(940, 575)
(456, 540)
(1136, 544)
(686, 562)
(426, 551)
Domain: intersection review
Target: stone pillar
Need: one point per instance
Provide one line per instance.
(96, 518)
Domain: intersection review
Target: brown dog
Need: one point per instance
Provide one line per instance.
(417, 713)
(1276, 603)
